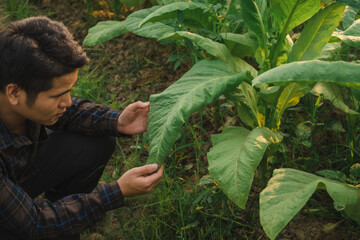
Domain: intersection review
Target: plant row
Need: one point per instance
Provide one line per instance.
(264, 56)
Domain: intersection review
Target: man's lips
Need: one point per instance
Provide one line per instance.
(60, 114)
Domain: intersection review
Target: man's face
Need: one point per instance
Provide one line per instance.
(50, 105)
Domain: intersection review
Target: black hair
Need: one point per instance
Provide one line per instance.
(35, 50)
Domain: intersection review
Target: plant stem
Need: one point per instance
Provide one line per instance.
(197, 146)
(313, 115)
(275, 54)
(263, 171)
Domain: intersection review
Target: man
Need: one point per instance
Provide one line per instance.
(39, 64)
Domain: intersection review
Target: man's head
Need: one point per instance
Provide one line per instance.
(34, 51)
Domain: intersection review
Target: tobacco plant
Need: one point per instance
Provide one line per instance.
(250, 57)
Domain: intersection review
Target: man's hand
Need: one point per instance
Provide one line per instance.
(140, 180)
(133, 119)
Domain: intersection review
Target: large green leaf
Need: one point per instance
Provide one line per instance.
(289, 97)
(351, 36)
(288, 191)
(349, 17)
(215, 49)
(331, 52)
(240, 45)
(355, 170)
(287, 15)
(262, 6)
(312, 72)
(351, 3)
(234, 157)
(203, 83)
(284, 50)
(291, 13)
(193, 14)
(270, 95)
(253, 19)
(333, 175)
(156, 30)
(104, 31)
(332, 92)
(243, 66)
(317, 33)
(245, 98)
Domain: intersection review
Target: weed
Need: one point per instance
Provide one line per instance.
(19, 9)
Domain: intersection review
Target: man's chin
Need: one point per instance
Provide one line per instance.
(49, 123)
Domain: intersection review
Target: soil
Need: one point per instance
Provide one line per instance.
(152, 74)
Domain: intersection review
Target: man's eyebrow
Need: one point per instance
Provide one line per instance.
(60, 94)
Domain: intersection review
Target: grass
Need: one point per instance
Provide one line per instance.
(188, 204)
(18, 9)
(169, 212)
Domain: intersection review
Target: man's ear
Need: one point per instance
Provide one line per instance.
(13, 93)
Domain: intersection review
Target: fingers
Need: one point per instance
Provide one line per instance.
(133, 120)
(140, 180)
(145, 104)
(139, 105)
(145, 170)
(154, 179)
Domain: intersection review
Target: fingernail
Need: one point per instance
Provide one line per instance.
(154, 166)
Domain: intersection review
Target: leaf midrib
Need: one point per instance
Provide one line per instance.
(177, 106)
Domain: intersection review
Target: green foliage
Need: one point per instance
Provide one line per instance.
(240, 45)
(104, 31)
(289, 14)
(206, 81)
(334, 175)
(351, 35)
(349, 17)
(256, 60)
(254, 20)
(191, 14)
(332, 92)
(94, 88)
(288, 191)
(156, 30)
(289, 97)
(234, 157)
(355, 171)
(313, 71)
(351, 3)
(19, 9)
(313, 39)
(246, 100)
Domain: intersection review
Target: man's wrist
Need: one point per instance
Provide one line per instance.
(111, 195)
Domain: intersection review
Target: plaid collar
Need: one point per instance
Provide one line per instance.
(8, 139)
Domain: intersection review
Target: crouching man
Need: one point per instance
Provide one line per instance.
(39, 64)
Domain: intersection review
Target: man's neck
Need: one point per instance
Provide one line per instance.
(13, 121)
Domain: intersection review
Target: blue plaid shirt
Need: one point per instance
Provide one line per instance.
(70, 215)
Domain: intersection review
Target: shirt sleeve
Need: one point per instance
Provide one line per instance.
(86, 117)
(21, 214)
